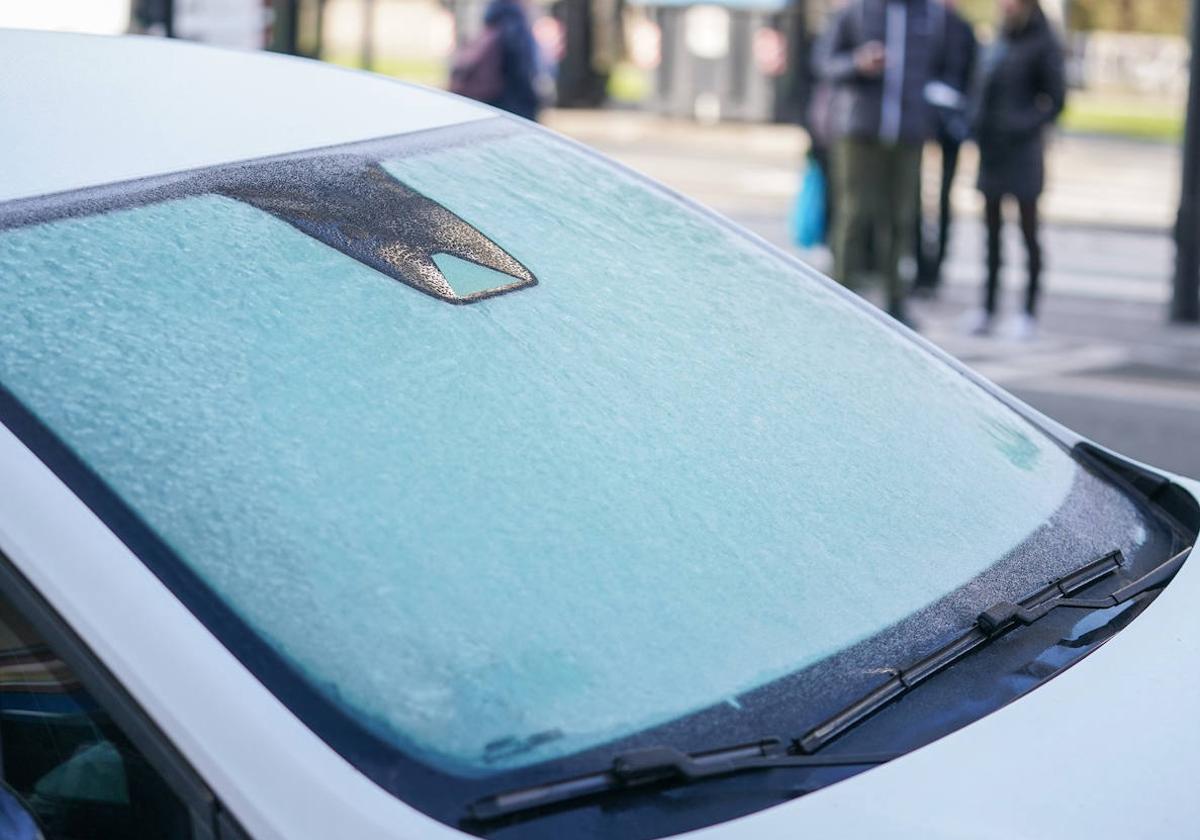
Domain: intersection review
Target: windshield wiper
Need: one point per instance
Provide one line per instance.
(661, 765)
(668, 766)
(993, 622)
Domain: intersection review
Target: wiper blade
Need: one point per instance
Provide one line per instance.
(660, 765)
(668, 766)
(992, 623)
(1004, 615)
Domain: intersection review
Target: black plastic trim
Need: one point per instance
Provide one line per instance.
(1177, 506)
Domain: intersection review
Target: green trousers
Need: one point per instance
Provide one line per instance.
(876, 199)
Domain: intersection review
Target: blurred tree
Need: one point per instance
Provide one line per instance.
(297, 26)
(977, 11)
(1185, 302)
(1167, 17)
(582, 80)
(284, 26)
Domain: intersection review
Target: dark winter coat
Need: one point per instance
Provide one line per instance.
(859, 101)
(1020, 91)
(959, 49)
(520, 63)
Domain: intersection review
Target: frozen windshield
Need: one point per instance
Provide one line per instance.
(675, 469)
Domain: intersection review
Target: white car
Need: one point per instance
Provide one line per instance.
(376, 465)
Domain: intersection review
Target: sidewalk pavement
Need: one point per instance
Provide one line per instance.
(1106, 362)
(741, 168)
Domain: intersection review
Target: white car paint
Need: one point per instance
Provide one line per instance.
(1047, 765)
(125, 108)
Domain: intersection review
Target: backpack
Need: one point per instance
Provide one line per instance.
(477, 71)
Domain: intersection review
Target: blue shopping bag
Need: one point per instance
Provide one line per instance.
(808, 212)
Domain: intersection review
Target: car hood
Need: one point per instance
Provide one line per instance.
(1108, 748)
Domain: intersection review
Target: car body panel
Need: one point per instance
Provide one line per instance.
(1037, 767)
(249, 105)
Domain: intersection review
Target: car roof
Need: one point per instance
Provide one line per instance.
(85, 110)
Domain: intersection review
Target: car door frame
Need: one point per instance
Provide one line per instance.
(208, 820)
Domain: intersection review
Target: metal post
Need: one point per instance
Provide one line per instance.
(368, 35)
(1185, 304)
(579, 86)
(793, 88)
(284, 26)
(319, 31)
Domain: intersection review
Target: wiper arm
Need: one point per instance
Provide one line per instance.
(1004, 615)
(991, 623)
(660, 765)
(665, 765)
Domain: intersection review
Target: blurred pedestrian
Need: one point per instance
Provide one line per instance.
(1021, 92)
(879, 54)
(949, 95)
(501, 67)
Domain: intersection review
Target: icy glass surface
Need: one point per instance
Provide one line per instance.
(466, 277)
(677, 468)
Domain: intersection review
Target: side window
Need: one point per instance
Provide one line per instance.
(63, 755)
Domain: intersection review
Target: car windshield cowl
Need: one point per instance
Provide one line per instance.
(662, 766)
(995, 621)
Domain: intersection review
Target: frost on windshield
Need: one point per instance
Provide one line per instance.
(677, 468)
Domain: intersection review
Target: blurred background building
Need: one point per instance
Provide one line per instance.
(739, 60)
